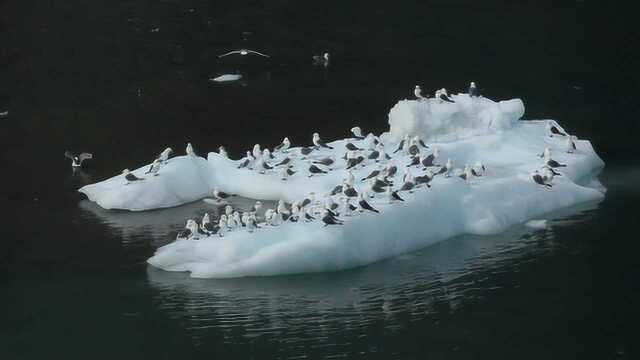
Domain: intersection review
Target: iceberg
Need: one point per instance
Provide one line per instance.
(467, 131)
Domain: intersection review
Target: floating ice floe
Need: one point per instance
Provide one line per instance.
(227, 78)
(468, 131)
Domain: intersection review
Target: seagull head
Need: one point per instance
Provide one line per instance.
(286, 140)
(316, 135)
(125, 171)
(326, 56)
(473, 84)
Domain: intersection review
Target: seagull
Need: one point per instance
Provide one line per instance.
(266, 154)
(418, 93)
(164, 155)
(466, 173)
(393, 195)
(571, 145)
(365, 205)
(319, 60)
(314, 169)
(357, 132)
(284, 146)
(304, 151)
(538, 179)
(223, 152)
(130, 177)
(243, 52)
(318, 142)
(284, 161)
(326, 161)
(220, 195)
(247, 160)
(473, 90)
(257, 153)
(554, 129)
(352, 147)
(189, 150)
(442, 95)
(350, 191)
(329, 219)
(402, 143)
(76, 161)
(154, 168)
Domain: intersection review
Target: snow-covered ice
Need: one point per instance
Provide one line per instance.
(470, 130)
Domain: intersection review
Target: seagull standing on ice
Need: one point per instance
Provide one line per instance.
(164, 155)
(317, 141)
(189, 150)
(154, 168)
(442, 95)
(357, 132)
(257, 153)
(284, 146)
(364, 204)
(76, 161)
(571, 145)
(223, 152)
(220, 195)
(129, 177)
(418, 93)
(314, 169)
(473, 90)
(538, 179)
(554, 130)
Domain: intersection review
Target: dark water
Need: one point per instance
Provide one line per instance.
(97, 76)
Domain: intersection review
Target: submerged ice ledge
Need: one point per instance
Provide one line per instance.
(504, 196)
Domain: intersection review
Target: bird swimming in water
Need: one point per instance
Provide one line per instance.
(76, 161)
(129, 177)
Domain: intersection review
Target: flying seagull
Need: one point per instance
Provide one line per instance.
(243, 52)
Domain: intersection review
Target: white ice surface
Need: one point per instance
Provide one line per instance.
(444, 121)
(504, 196)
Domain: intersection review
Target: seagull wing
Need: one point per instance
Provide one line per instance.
(230, 53)
(257, 53)
(68, 154)
(85, 156)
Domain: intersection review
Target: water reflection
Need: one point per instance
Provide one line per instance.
(160, 226)
(424, 285)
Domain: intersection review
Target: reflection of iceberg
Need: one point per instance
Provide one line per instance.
(475, 129)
